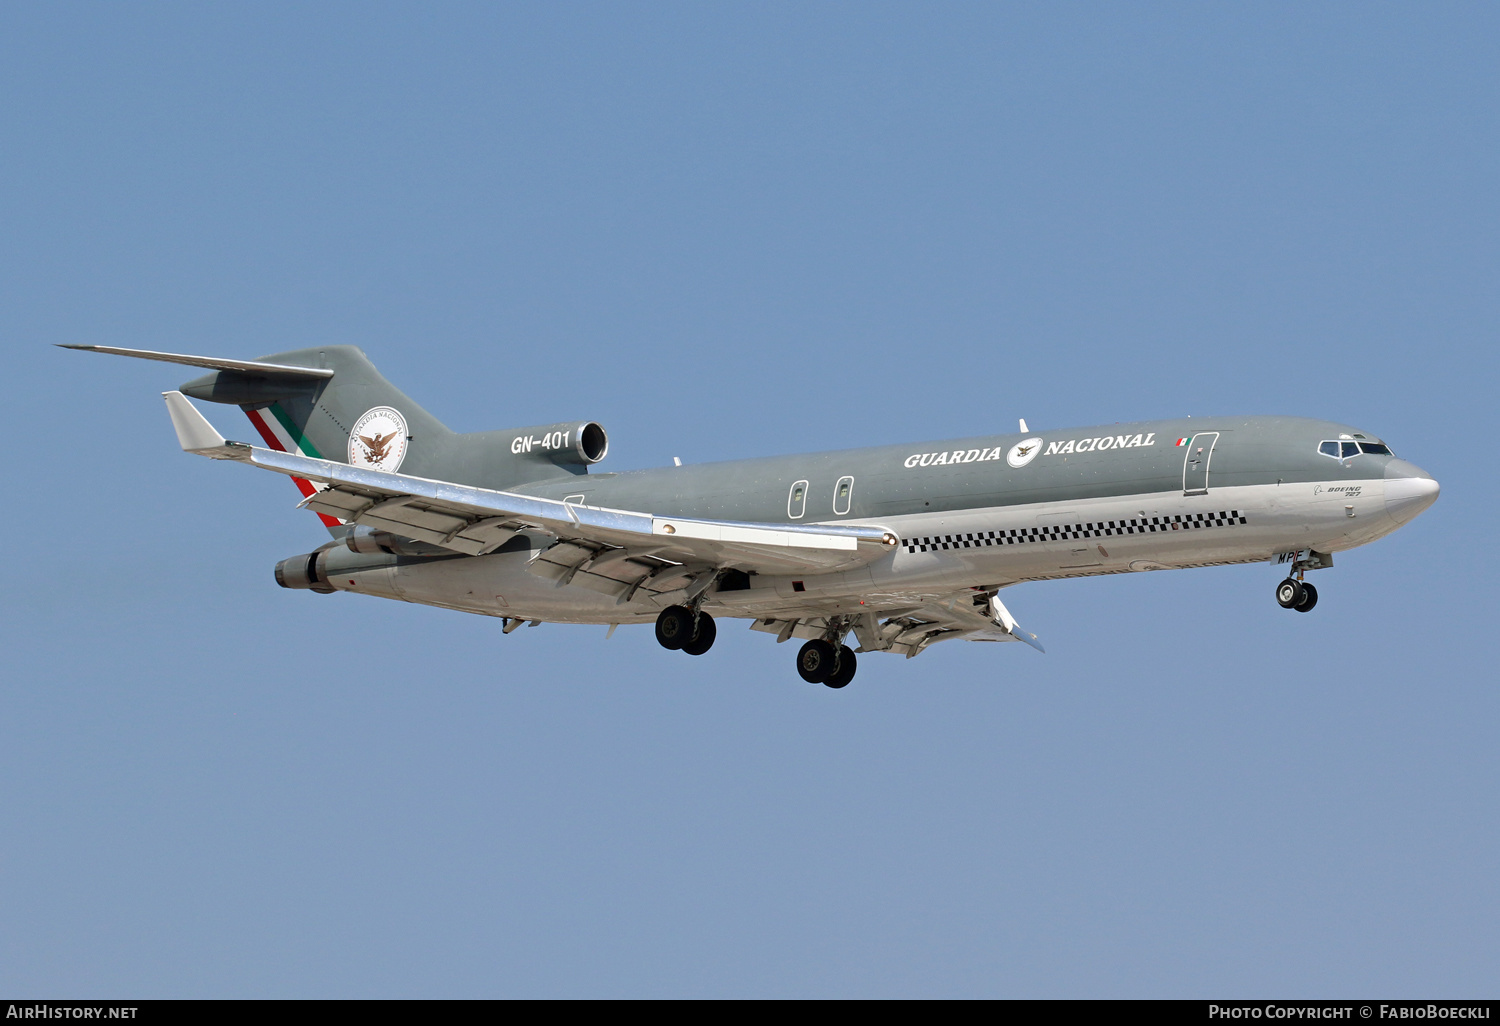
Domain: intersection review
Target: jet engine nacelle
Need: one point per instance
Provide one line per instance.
(304, 572)
(327, 569)
(579, 442)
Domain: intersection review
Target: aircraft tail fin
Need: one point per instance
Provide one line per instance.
(330, 403)
(326, 403)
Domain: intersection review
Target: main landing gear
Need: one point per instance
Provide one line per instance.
(681, 629)
(1294, 594)
(823, 662)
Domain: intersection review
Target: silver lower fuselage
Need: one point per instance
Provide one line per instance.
(945, 552)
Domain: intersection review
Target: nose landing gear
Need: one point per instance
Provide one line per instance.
(1294, 594)
(1288, 593)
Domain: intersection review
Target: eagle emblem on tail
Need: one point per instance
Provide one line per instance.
(375, 448)
(379, 440)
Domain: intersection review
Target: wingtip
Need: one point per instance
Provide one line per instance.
(194, 433)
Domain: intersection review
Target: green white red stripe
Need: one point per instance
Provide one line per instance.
(281, 434)
(1184, 441)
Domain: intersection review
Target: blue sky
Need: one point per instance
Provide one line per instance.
(726, 231)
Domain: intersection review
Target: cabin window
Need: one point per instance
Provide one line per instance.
(1329, 449)
(1351, 449)
(1375, 449)
(843, 492)
(796, 501)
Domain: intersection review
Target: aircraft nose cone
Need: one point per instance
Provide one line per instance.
(1408, 490)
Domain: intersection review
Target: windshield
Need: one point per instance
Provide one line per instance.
(1344, 449)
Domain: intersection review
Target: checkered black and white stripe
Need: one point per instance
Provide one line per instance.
(1064, 532)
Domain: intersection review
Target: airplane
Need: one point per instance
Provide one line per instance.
(896, 547)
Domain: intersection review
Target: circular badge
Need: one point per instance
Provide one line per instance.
(378, 440)
(1023, 453)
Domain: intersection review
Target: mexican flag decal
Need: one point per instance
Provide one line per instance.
(282, 435)
(1184, 441)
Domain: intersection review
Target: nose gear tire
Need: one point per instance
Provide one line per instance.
(1309, 598)
(1290, 593)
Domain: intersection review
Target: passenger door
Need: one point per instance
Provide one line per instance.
(1200, 449)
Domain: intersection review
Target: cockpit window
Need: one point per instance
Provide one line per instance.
(1344, 450)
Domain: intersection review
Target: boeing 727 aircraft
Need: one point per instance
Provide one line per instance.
(893, 547)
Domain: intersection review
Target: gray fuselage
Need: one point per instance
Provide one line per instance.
(976, 513)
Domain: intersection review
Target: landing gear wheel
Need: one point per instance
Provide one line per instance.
(703, 638)
(816, 661)
(844, 672)
(674, 627)
(1309, 598)
(1290, 593)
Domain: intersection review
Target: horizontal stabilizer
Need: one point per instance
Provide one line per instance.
(213, 362)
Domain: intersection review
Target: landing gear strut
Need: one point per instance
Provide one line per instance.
(1294, 594)
(823, 662)
(680, 628)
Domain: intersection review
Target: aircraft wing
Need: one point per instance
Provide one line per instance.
(475, 521)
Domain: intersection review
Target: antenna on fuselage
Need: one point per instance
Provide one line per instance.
(1024, 429)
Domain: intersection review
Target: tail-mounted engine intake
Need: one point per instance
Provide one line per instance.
(579, 442)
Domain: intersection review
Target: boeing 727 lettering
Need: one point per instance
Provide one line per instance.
(893, 548)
